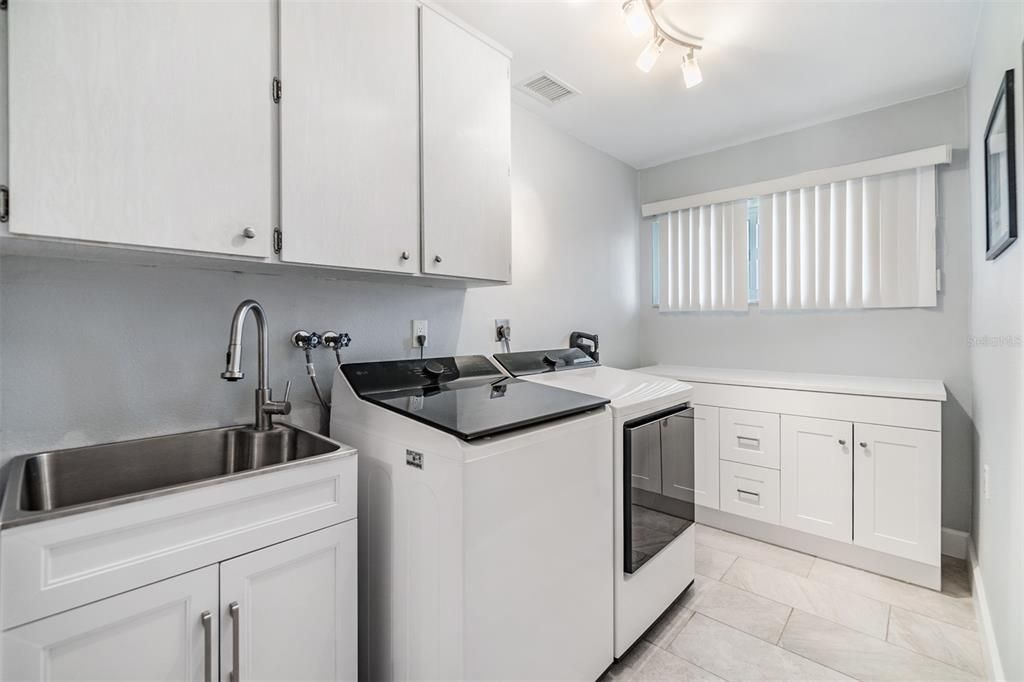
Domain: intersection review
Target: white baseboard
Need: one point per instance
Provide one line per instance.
(990, 649)
(954, 543)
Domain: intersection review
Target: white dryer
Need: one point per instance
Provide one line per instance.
(484, 550)
(653, 478)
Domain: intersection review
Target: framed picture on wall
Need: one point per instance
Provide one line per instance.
(1000, 173)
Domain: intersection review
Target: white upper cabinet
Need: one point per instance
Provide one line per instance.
(466, 128)
(817, 476)
(142, 123)
(350, 154)
(897, 482)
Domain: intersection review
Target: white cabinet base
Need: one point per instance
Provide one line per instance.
(870, 560)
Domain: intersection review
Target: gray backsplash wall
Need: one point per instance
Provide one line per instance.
(929, 343)
(92, 352)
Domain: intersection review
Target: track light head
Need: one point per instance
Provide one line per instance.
(645, 62)
(637, 20)
(691, 70)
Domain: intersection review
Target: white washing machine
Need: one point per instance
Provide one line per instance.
(484, 550)
(653, 479)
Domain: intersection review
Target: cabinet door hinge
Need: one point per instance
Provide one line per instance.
(278, 240)
(275, 90)
(5, 204)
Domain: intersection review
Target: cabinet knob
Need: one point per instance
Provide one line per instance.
(249, 233)
(437, 259)
(842, 442)
(863, 444)
(405, 255)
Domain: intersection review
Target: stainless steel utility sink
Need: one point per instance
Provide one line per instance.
(51, 484)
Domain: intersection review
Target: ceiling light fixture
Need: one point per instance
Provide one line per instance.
(637, 20)
(691, 70)
(640, 17)
(645, 62)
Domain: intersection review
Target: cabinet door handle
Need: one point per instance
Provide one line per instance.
(842, 441)
(249, 233)
(437, 259)
(236, 673)
(405, 255)
(863, 444)
(206, 618)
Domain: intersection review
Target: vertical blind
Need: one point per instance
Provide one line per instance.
(703, 258)
(861, 243)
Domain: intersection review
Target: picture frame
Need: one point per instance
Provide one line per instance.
(1000, 172)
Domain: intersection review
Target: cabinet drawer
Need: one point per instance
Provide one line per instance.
(750, 491)
(750, 437)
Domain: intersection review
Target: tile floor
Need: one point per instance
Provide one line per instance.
(761, 612)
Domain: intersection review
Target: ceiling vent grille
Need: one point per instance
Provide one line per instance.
(547, 88)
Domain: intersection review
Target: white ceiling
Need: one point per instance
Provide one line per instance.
(768, 66)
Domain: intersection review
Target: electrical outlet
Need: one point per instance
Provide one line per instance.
(419, 328)
(985, 491)
(499, 325)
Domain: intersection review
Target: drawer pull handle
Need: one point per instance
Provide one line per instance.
(748, 493)
(748, 442)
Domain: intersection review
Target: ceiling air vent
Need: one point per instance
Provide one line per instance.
(547, 88)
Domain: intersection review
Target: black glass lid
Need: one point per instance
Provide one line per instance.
(466, 396)
(537, 361)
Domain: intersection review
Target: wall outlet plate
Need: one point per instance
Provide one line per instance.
(419, 328)
(499, 323)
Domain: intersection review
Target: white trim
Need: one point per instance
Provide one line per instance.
(930, 156)
(989, 646)
(954, 542)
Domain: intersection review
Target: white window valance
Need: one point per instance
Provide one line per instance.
(863, 243)
(703, 258)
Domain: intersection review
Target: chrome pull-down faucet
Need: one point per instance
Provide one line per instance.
(265, 405)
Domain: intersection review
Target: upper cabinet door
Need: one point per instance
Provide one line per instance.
(817, 476)
(289, 611)
(143, 123)
(466, 110)
(897, 483)
(350, 152)
(162, 631)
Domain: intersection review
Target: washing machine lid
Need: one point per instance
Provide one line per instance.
(466, 396)
(525, 363)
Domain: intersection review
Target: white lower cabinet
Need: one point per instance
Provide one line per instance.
(750, 491)
(154, 632)
(284, 612)
(897, 479)
(292, 609)
(817, 476)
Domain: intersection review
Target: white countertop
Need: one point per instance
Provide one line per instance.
(885, 387)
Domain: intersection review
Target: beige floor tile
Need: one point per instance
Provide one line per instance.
(956, 610)
(860, 656)
(712, 562)
(959, 647)
(848, 608)
(669, 625)
(762, 552)
(659, 664)
(956, 580)
(735, 655)
(741, 609)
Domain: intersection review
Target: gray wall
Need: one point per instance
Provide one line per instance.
(919, 342)
(92, 352)
(996, 303)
